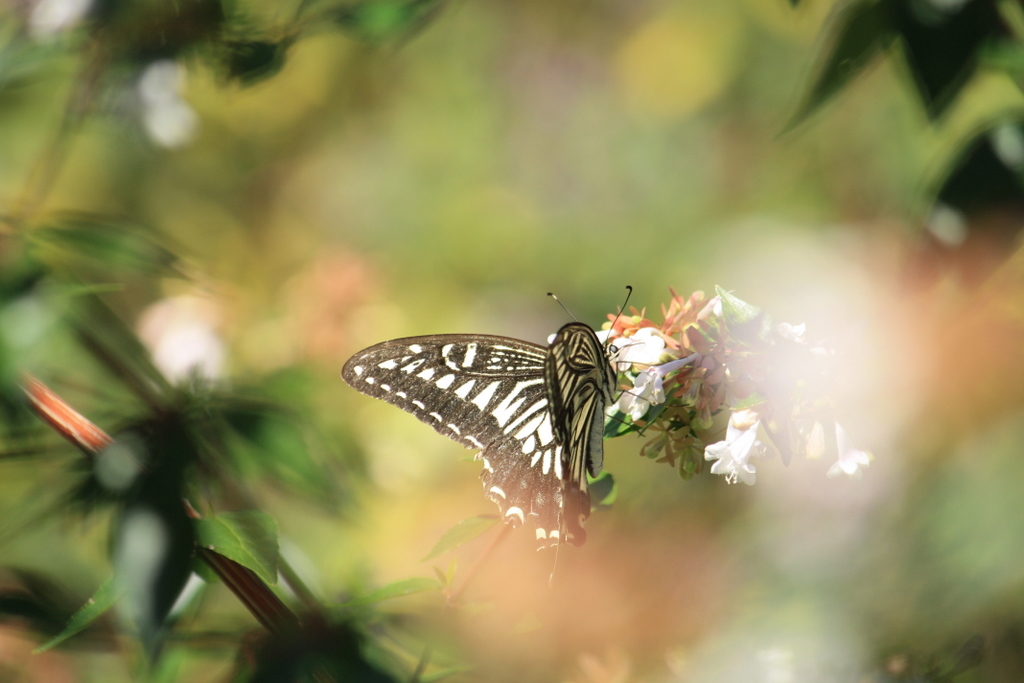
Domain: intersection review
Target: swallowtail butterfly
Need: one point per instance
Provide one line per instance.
(536, 414)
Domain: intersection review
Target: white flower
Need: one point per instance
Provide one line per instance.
(648, 388)
(182, 337)
(644, 347)
(741, 444)
(50, 17)
(168, 118)
(850, 459)
(794, 333)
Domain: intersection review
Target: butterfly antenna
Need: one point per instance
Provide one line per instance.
(552, 295)
(629, 293)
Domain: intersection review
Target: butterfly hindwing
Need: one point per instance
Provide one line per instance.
(535, 414)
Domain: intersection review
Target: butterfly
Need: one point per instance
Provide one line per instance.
(535, 413)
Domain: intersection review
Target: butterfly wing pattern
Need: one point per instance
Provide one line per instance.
(535, 414)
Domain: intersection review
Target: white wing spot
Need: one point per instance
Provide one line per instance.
(358, 369)
(529, 445)
(476, 442)
(516, 512)
(558, 463)
(524, 415)
(445, 381)
(485, 396)
(463, 391)
(544, 430)
(530, 427)
(487, 463)
(418, 404)
(426, 374)
(408, 369)
(536, 459)
(388, 364)
(436, 416)
(546, 467)
(415, 348)
(385, 387)
(370, 380)
(497, 491)
(554, 533)
(541, 534)
(503, 411)
(470, 355)
(455, 429)
(401, 394)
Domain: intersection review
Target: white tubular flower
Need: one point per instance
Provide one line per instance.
(648, 388)
(733, 455)
(850, 459)
(644, 347)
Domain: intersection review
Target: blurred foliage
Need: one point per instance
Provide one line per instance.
(207, 205)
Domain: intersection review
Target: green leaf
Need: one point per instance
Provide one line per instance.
(603, 490)
(754, 399)
(248, 537)
(445, 673)
(462, 533)
(274, 440)
(746, 323)
(376, 21)
(101, 601)
(251, 61)
(858, 35)
(397, 589)
(103, 243)
(618, 425)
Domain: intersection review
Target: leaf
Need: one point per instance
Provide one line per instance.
(445, 673)
(753, 399)
(275, 440)
(462, 533)
(102, 600)
(375, 21)
(859, 34)
(248, 537)
(104, 243)
(251, 61)
(746, 323)
(114, 345)
(603, 490)
(617, 425)
(397, 589)
(943, 45)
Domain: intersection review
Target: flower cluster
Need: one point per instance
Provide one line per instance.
(720, 364)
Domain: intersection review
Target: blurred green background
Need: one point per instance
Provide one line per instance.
(338, 176)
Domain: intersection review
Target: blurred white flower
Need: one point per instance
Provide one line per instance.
(50, 17)
(850, 459)
(648, 388)
(741, 444)
(180, 332)
(168, 119)
(793, 333)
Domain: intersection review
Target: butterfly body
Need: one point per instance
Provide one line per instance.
(535, 413)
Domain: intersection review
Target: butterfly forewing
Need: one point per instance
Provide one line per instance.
(536, 414)
(486, 393)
